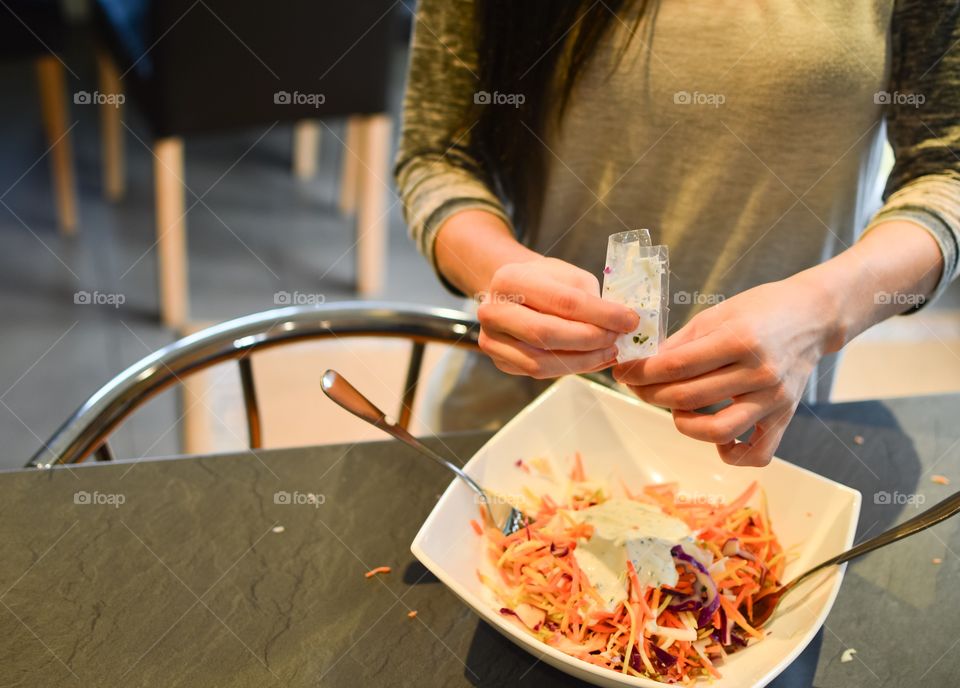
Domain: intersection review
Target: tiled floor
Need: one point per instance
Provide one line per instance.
(263, 232)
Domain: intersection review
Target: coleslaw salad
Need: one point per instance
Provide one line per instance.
(676, 633)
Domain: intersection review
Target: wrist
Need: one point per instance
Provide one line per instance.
(471, 245)
(828, 289)
(855, 289)
(507, 254)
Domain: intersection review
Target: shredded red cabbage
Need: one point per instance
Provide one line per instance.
(732, 548)
(690, 603)
(636, 663)
(727, 626)
(712, 601)
(664, 658)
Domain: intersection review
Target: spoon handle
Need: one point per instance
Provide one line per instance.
(348, 397)
(935, 514)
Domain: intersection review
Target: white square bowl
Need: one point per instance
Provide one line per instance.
(622, 438)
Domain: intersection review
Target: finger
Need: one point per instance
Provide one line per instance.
(584, 280)
(540, 363)
(505, 367)
(730, 422)
(725, 383)
(759, 449)
(542, 330)
(685, 334)
(570, 303)
(698, 357)
(506, 352)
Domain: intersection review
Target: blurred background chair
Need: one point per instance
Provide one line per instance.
(33, 30)
(201, 68)
(86, 432)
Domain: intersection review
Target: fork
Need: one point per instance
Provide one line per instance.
(348, 397)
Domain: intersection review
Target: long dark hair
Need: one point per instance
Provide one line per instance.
(534, 49)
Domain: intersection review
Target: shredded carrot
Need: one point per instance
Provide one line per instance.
(542, 588)
(734, 614)
(412, 614)
(477, 528)
(380, 569)
(577, 473)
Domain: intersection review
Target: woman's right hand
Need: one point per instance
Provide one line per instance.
(544, 318)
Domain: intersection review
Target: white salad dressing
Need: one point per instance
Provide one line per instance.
(622, 529)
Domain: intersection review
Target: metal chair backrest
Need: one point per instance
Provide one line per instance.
(86, 431)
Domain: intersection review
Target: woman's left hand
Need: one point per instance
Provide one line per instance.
(757, 348)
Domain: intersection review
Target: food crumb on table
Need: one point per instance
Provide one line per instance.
(412, 614)
(380, 569)
(847, 655)
(858, 439)
(940, 479)
(937, 560)
(278, 529)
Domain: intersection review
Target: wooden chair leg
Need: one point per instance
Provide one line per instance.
(171, 231)
(53, 107)
(349, 177)
(306, 148)
(372, 194)
(111, 129)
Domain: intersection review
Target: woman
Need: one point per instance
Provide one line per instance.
(747, 136)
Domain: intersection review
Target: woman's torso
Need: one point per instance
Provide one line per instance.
(746, 135)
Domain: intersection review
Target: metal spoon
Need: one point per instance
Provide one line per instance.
(764, 607)
(505, 517)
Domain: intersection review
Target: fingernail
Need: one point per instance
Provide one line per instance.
(631, 322)
(611, 353)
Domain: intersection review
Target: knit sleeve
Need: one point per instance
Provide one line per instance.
(435, 174)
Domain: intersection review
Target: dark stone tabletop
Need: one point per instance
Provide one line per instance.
(248, 569)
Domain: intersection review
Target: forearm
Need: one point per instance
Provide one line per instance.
(890, 270)
(472, 244)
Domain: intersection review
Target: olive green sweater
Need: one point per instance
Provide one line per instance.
(747, 136)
